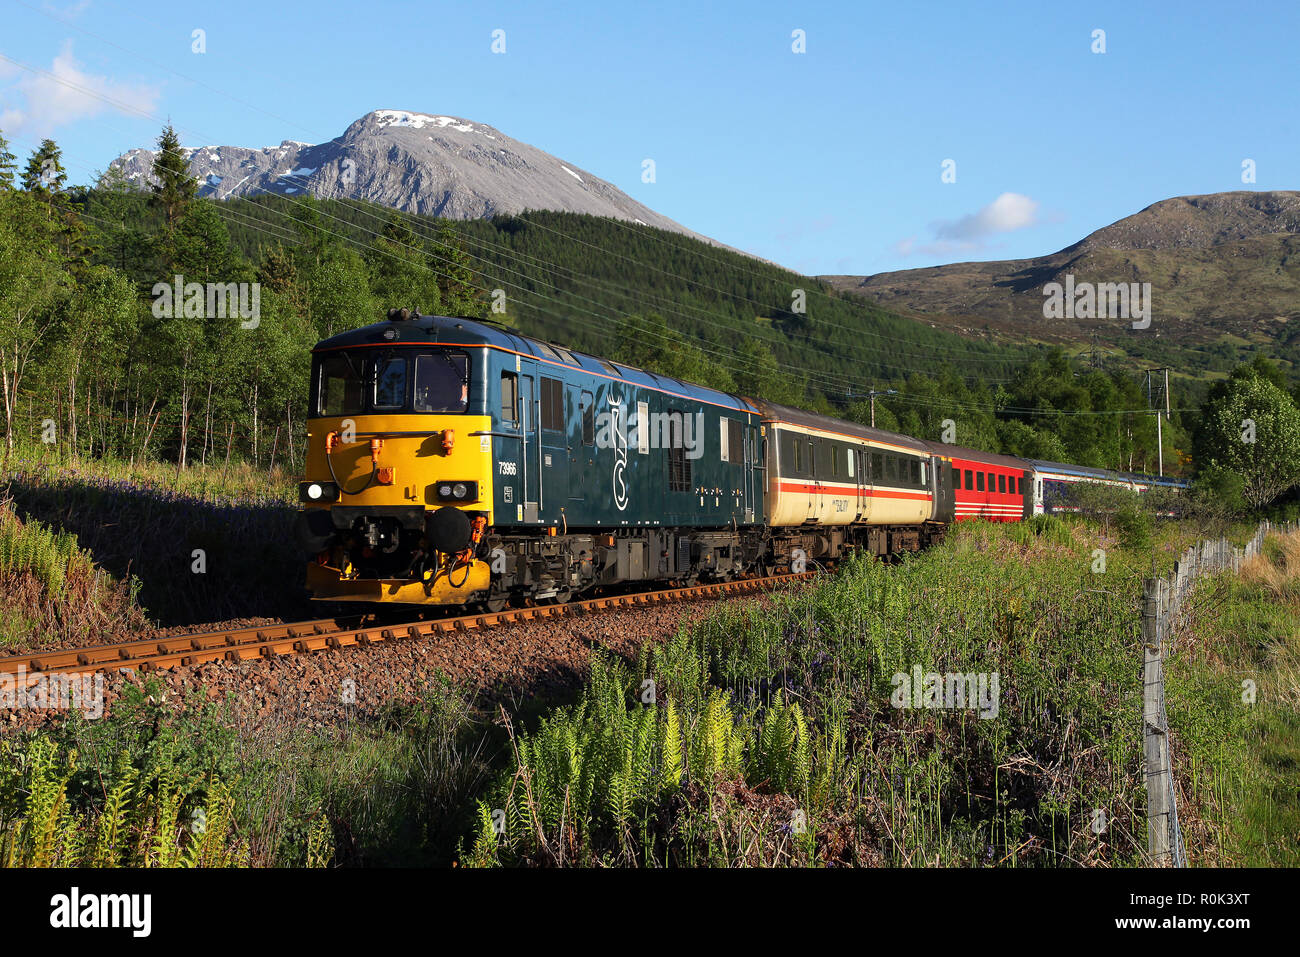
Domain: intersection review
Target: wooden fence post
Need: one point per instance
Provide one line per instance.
(1155, 741)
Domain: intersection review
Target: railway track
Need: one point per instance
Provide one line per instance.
(268, 641)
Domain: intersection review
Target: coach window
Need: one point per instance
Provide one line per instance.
(877, 465)
(509, 397)
(1002, 484)
(979, 481)
(735, 441)
(850, 463)
(796, 460)
(970, 480)
(991, 485)
(588, 403)
(835, 463)
(956, 478)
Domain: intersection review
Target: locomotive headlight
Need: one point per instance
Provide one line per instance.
(318, 492)
(457, 491)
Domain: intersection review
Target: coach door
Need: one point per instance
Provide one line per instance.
(858, 462)
(945, 498)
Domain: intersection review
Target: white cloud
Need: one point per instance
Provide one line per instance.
(1010, 211)
(65, 94)
(967, 234)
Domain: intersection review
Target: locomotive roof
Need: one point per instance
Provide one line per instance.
(459, 331)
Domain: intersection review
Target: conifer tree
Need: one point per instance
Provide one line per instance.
(174, 188)
(7, 165)
(45, 175)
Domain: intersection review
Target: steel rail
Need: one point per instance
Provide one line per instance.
(270, 641)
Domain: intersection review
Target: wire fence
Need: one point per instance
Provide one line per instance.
(1164, 614)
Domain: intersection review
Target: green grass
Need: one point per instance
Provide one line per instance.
(237, 482)
(50, 587)
(1240, 753)
(768, 734)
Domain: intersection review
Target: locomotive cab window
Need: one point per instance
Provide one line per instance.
(442, 382)
(388, 382)
(338, 386)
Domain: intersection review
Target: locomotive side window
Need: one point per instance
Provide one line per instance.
(552, 405)
(588, 404)
(389, 379)
(509, 397)
(442, 382)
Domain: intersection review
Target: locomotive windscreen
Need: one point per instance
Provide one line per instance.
(388, 381)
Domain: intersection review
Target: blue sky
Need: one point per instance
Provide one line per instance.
(828, 161)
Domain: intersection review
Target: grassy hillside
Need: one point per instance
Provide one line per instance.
(1223, 269)
(572, 278)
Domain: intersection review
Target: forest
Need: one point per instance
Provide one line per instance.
(98, 360)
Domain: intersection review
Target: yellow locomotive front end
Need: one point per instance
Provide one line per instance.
(397, 490)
